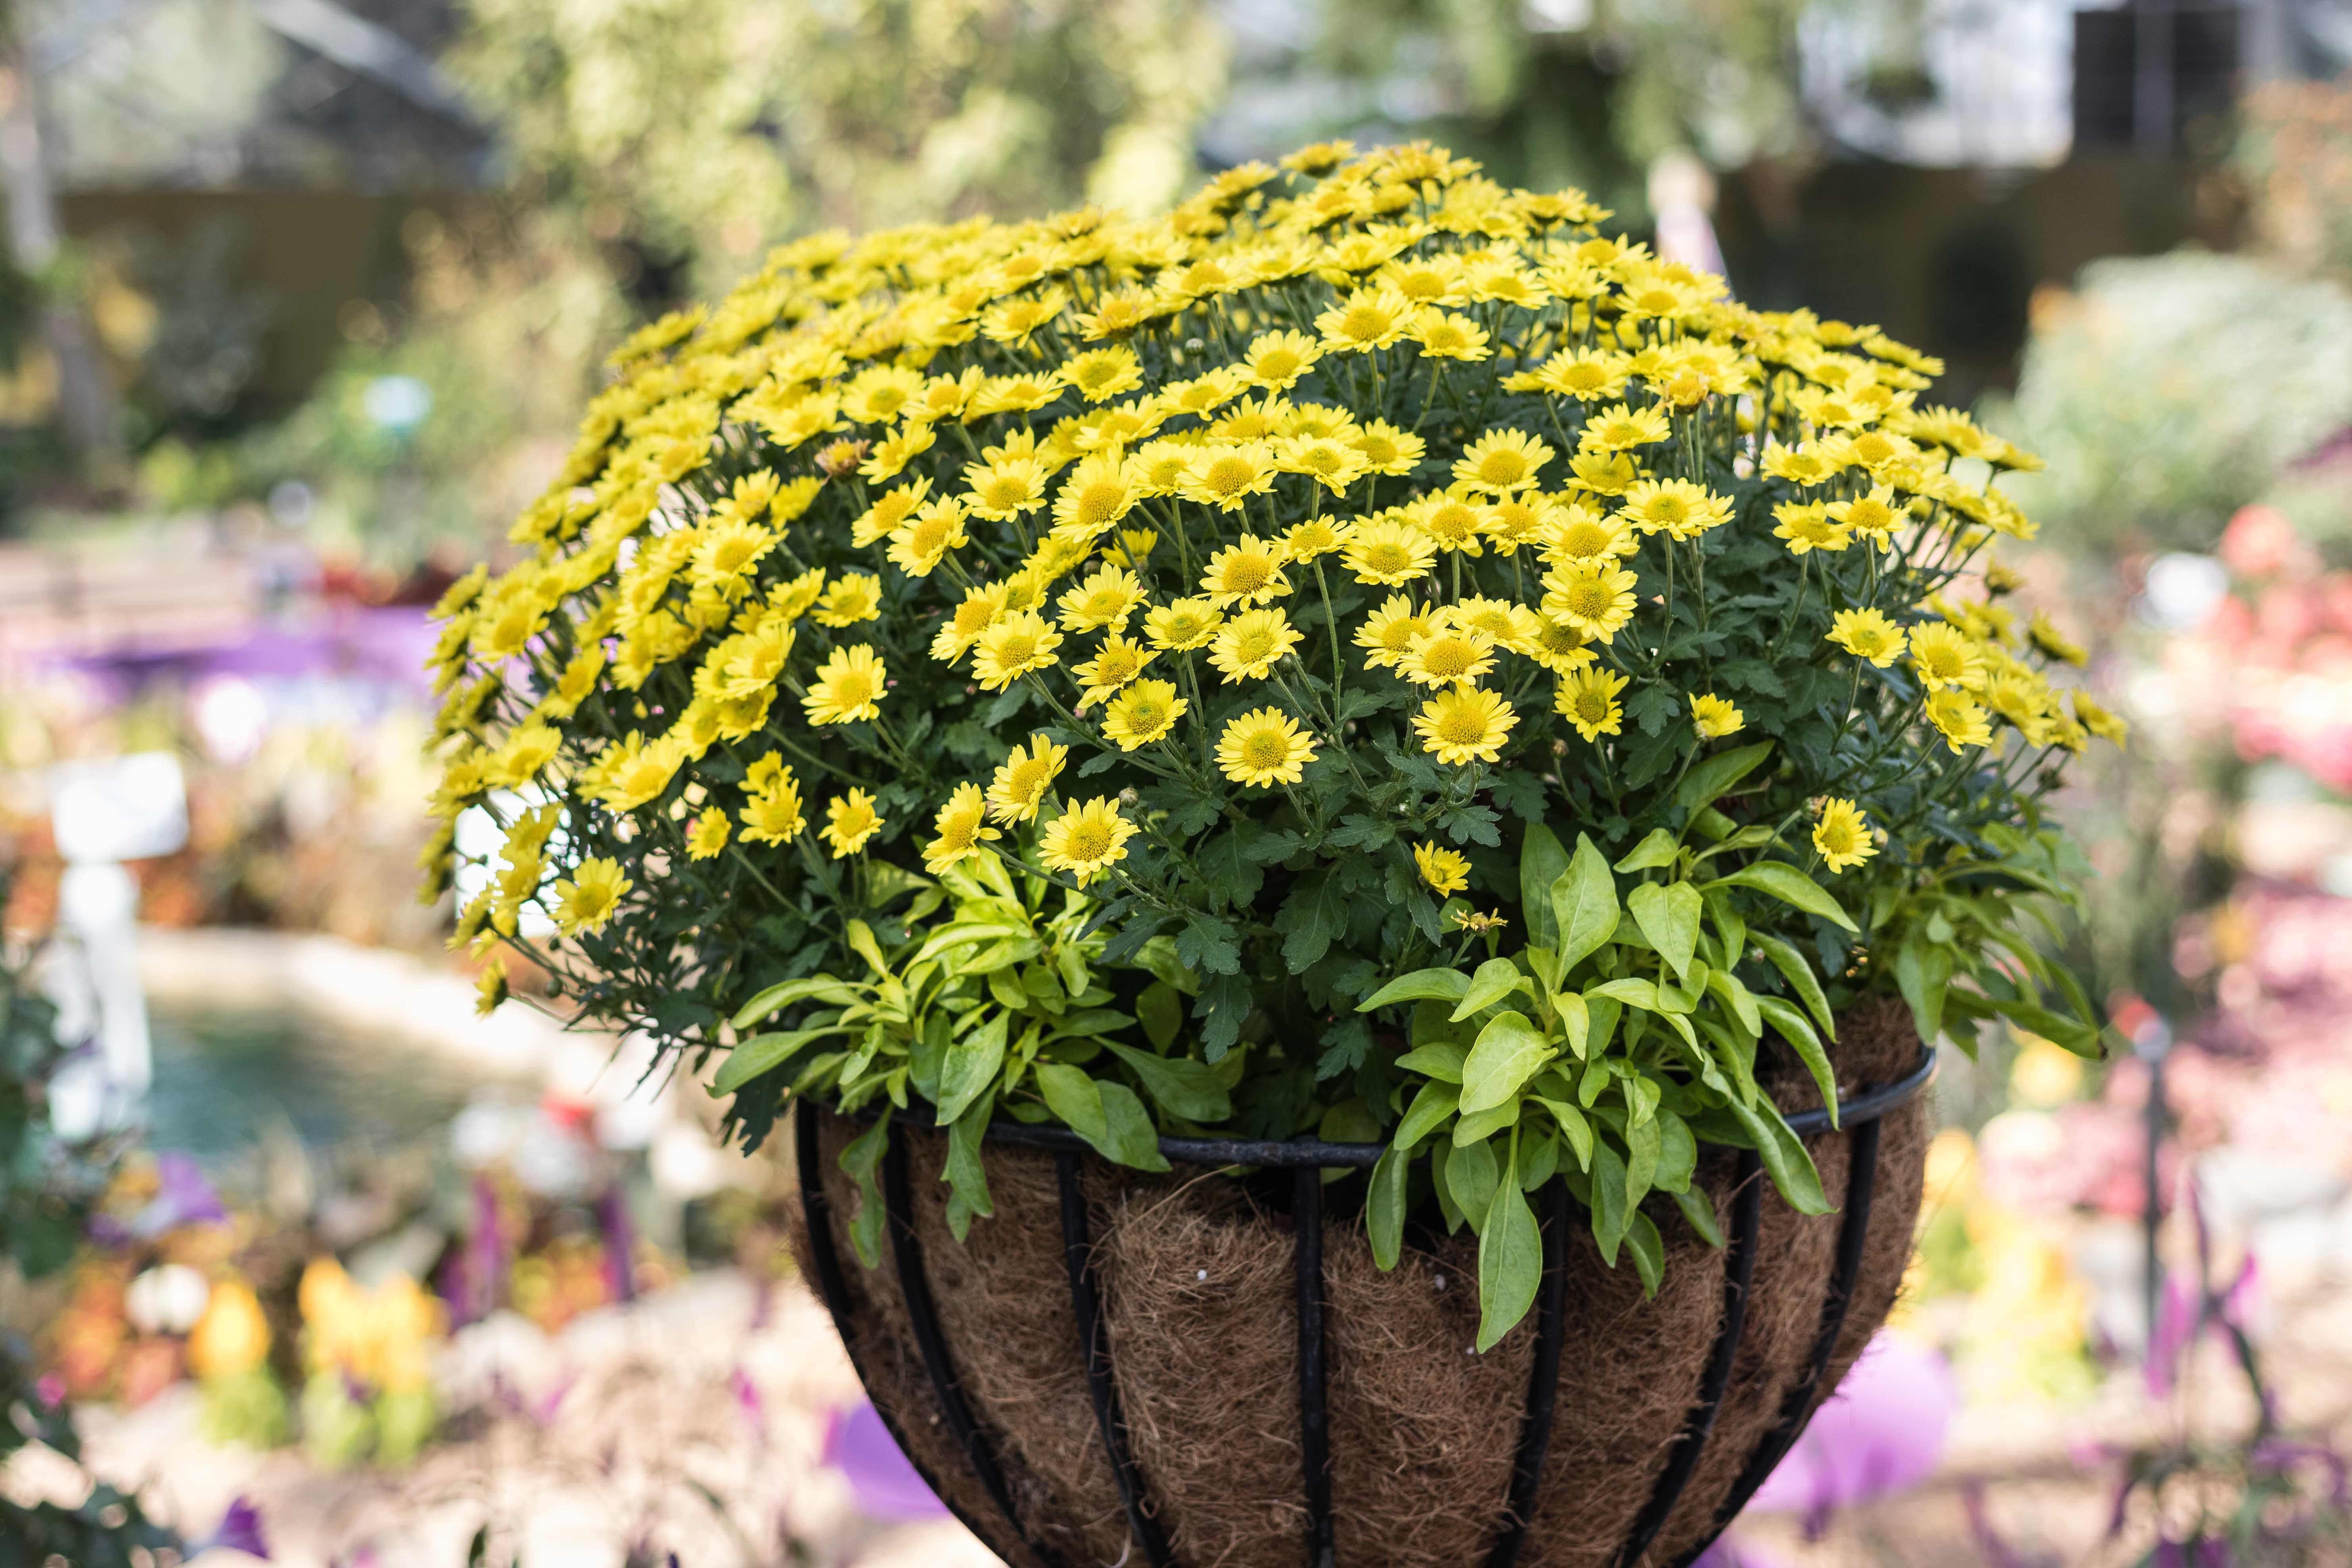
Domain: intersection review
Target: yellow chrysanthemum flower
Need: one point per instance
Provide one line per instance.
(1866, 634)
(1560, 648)
(1116, 663)
(1142, 713)
(853, 597)
(1587, 700)
(1715, 717)
(1389, 551)
(1806, 526)
(2098, 720)
(1013, 647)
(1086, 840)
(1942, 656)
(1264, 746)
(1502, 462)
(1005, 488)
(2053, 643)
(1020, 784)
(1466, 725)
(1453, 523)
(1247, 646)
(920, 544)
(588, 899)
(1099, 492)
(1387, 449)
(1248, 572)
(1676, 508)
(1367, 319)
(1447, 871)
(1577, 532)
(1276, 361)
(1446, 655)
(1960, 722)
(1619, 428)
(1594, 597)
(1842, 836)
(709, 836)
(1099, 375)
(1104, 600)
(1182, 624)
(850, 820)
(1386, 635)
(960, 830)
(848, 687)
(1874, 517)
(980, 609)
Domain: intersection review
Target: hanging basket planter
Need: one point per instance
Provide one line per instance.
(1192, 1369)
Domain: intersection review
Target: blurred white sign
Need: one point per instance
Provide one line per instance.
(118, 808)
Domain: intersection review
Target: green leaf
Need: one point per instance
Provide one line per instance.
(757, 1055)
(1128, 1137)
(859, 1160)
(1510, 1050)
(1649, 1252)
(1161, 1013)
(1432, 1106)
(1577, 1020)
(1801, 978)
(1633, 992)
(1798, 1032)
(1541, 863)
(861, 942)
(1710, 779)
(1312, 917)
(1785, 1156)
(968, 933)
(1609, 1210)
(1479, 1124)
(971, 1065)
(1668, 914)
(1470, 1177)
(1497, 978)
(1439, 1156)
(1510, 1263)
(1073, 1096)
(1584, 906)
(823, 988)
(1658, 849)
(1574, 1126)
(1922, 970)
(1384, 1207)
(1180, 1086)
(1432, 985)
(1699, 1210)
(2056, 1027)
(967, 1173)
(1678, 1152)
(1740, 999)
(1790, 886)
(1440, 1059)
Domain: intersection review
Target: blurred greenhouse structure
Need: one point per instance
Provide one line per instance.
(301, 302)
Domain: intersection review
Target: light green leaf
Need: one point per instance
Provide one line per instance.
(1658, 849)
(1640, 1161)
(757, 1055)
(1128, 1137)
(1510, 1050)
(861, 942)
(1384, 1207)
(1510, 1263)
(1730, 928)
(1470, 1175)
(1162, 1010)
(1440, 1059)
(1708, 781)
(1798, 1032)
(1738, 998)
(1181, 1086)
(1577, 1020)
(1699, 1210)
(1799, 977)
(1631, 993)
(823, 988)
(1584, 906)
(1784, 1154)
(1608, 1209)
(1541, 862)
(1922, 970)
(2056, 1027)
(1441, 1154)
(859, 1160)
(1434, 984)
(1482, 1124)
(1649, 1250)
(966, 1173)
(1678, 1152)
(1574, 1126)
(965, 933)
(1497, 978)
(1790, 886)
(972, 1064)
(1668, 914)
(1432, 1106)
(1075, 1098)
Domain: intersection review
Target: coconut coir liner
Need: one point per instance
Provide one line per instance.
(1198, 1305)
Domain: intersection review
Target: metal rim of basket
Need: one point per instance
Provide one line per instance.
(1306, 1159)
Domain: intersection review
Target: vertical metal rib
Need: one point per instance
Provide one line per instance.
(832, 1289)
(1739, 1271)
(1797, 1409)
(922, 1316)
(1543, 1385)
(1314, 1428)
(1093, 1346)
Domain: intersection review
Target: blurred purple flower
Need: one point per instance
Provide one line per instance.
(755, 1409)
(474, 1278)
(183, 1196)
(1880, 1432)
(238, 1531)
(884, 1485)
(2178, 1319)
(620, 1244)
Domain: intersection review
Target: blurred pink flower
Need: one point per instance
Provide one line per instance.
(1881, 1432)
(883, 1483)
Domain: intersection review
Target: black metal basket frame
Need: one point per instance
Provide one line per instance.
(1306, 1159)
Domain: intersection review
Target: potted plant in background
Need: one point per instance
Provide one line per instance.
(1344, 814)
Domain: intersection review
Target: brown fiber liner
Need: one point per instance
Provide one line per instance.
(1198, 1298)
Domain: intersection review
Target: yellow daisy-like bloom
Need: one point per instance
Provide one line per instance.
(1466, 725)
(848, 687)
(980, 609)
(1005, 488)
(1577, 532)
(1020, 784)
(490, 988)
(1099, 375)
(1246, 573)
(1105, 599)
(1099, 492)
(1086, 840)
(1676, 508)
(888, 513)
(1386, 635)
(1447, 871)
(1011, 648)
(1453, 523)
(1960, 722)
(849, 821)
(1225, 477)
(1875, 517)
(1441, 334)
(1334, 464)
(1389, 551)
(1366, 319)
(709, 836)
(1842, 836)
(1594, 597)
(727, 550)
(1247, 646)
(2098, 720)
(586, 900)
(1602, 473)
(1182, 625)
(1502, 462)
(1315, 538)
(1807, 526)
(1715, 717)
(1264, 746)
(1142, 713)
(1446, 655)
(1204, 394)
(1276, 361)
(1814, 463)
(1560, 648)
(772, 815)
(1586, 374)
(959, 830)
(1513, 521)
(1389, 450)
(1943, 656)
(1587, 700)
(1866, 634)
(896, 450)
(853, 597)
(634, 771)
(919, 545)
(1116, 663)
(1618, 428)
(2053, 643)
